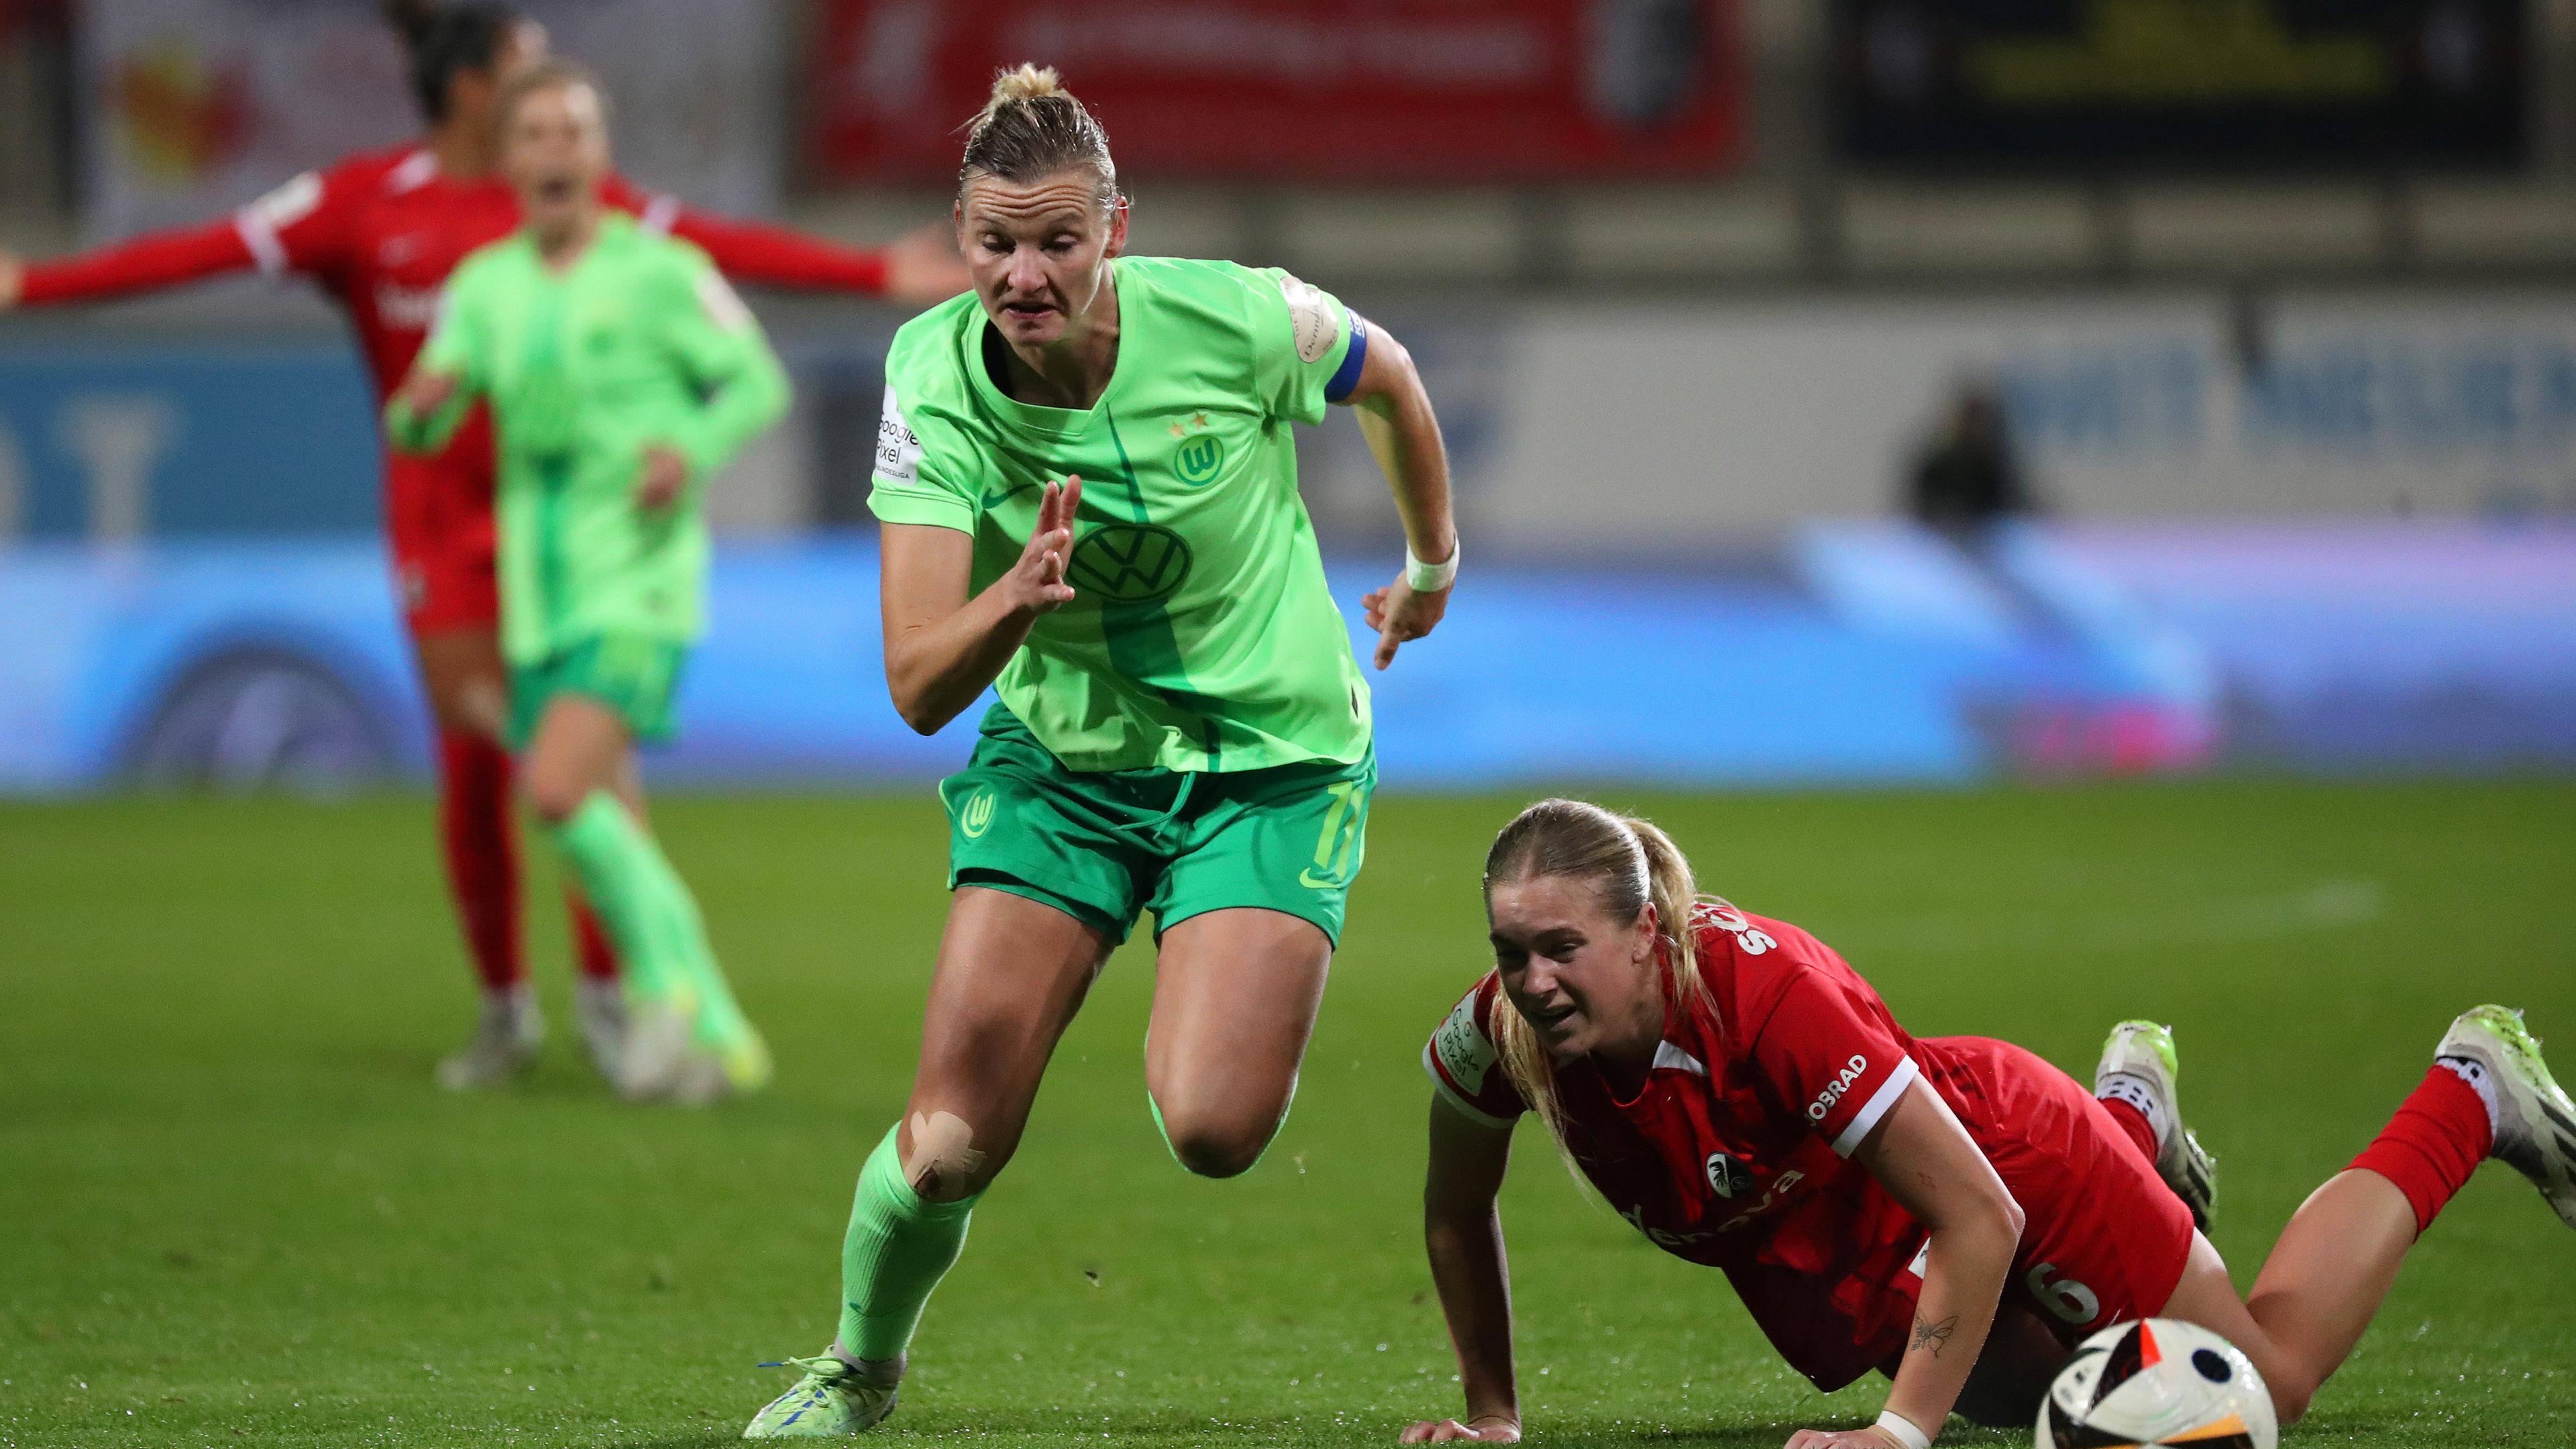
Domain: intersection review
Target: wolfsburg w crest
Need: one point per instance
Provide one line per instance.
(1129, 563)
(1199, 457)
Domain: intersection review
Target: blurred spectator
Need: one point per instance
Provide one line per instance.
(1969, 477)
(35, 106)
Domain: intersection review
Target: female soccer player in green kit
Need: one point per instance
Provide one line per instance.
(1088, 485)
(621, 372)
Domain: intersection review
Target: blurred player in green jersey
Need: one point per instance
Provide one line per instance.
(622, 372)
(1088, 485)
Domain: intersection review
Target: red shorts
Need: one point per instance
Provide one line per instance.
(438, 519)
(2103, 1240)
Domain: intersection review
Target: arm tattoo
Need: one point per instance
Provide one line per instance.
(1934, 1335)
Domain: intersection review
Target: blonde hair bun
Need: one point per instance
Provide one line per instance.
(1028, 82)
(1033, 127)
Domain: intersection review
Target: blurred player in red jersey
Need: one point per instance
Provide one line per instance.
(1952, 1211)
(380, 231)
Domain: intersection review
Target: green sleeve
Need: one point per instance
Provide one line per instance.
(453, 348)
(907, 485)
(1300, 335)
(719, 344)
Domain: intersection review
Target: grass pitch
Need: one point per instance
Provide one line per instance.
(233, 1209)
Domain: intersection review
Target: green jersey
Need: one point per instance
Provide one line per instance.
(1201, 635)
(639, 342)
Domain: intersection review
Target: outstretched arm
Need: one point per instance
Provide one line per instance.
(147, 263)
(921, 268)
(301, 226)
(1404, 435)
(1934, 1170)
(1462, 1232)
(942, 648)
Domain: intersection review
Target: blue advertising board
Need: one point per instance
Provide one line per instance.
(186, 439)
(1863, 654)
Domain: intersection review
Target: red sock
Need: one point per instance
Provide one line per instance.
(2438, 1137)
(590, 943)
(482, 854)
(2135, 1123)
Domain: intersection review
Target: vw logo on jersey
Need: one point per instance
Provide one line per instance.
(1199, 457)
(1129, 563)
(1727, 1177)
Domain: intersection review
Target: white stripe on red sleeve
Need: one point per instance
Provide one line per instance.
(1904, 1076)
(261, 238)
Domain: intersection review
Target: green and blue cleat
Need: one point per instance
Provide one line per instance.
(2139, 1066)
(2535, 1123)
(835, 1397)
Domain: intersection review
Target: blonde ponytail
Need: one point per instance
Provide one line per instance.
(1629, 863)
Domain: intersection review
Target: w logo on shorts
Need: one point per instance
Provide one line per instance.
(976, 815)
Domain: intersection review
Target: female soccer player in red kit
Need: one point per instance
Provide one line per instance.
(1952, 1211)
(380, 231)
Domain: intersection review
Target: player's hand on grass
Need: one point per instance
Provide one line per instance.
(13, 280)
(665, 471)
(1872, 1437)
(923, 266)
(1035, 585)
(1399, 614)
(1446, 1431)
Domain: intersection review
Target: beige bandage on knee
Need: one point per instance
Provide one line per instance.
(943, 1156)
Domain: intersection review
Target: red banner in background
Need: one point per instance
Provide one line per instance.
(1322, 90)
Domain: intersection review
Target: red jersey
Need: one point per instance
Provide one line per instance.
(380, 231)
(1736, 1152)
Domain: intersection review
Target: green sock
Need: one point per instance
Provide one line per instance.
(648, 912)
(898, 1248)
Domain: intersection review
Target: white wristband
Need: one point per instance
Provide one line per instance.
(1903, 1430)
(1430, 578)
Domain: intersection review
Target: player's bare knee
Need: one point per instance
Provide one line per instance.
(2290, 1383)
(1209, 1145)
(1218, 1154)
(943, 1163)
(555, 795)
(2291, 1392)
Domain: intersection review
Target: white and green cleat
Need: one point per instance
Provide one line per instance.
(654, 1061)
(2535, 1123)
(2139, 1066)
(835, 1397)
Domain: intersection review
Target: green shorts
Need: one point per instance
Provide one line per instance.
(636, 676)
(1105, 845)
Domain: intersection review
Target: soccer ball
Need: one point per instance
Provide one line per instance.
(2160, 1381)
